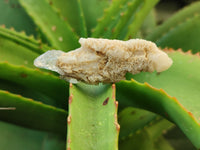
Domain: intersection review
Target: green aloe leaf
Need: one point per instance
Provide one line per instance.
(132, 119)
(93, 9)
(108, 17)
(180, 81)
(27, 92)
(136, 124)
(148, 25)
(49, 85)
(123, 19)
(139, 18)
(19, 138)
(125, 16)
(92, 120)
(181, 31)
(146, 138)
(71, 11)
(19, 49)
(178, 140)
(13, 15)
(58, 32)
(162, 144)
(32, 114)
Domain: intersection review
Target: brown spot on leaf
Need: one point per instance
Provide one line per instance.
(113, 30)
(122, 14)
(132, 112)
(3, 25)
(60, 39)
(53, 28)
(106, 101)
(23, 75)
(158, 73)
(50, 2)
(166, 114)
(18, 6)
(13, 5)
(92, 30)
(40, 46)
(142, 117)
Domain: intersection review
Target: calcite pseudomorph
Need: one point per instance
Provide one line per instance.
(106, 61)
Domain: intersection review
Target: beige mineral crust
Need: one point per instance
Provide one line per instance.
(103, 60)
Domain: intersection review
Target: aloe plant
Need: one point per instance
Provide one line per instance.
(34, 102)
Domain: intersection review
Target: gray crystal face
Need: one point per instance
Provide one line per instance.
(48, 61)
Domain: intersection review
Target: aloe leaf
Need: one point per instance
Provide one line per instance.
(13, 15)
(175, 20)
(19, 49)
(9, 50)
(28, 92)
(119, 20)
(107, 17)
(161, 104)
(58, 32)
(125, 16)
(72, 13)
(172, 32)
(139, 18)
(178, 140)
(92, 120)
(145, 138)
(187, 40)
(83, 30)
(140, 141)
(132, 119)
(136, 122)
(22, 39)
(36, 80)
(34, 113)
(149, 24)
(162, 144)
(126, 20)
(19, 138)
(93, 9)
(178, 81)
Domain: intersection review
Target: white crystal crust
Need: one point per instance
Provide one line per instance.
(103, 60)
